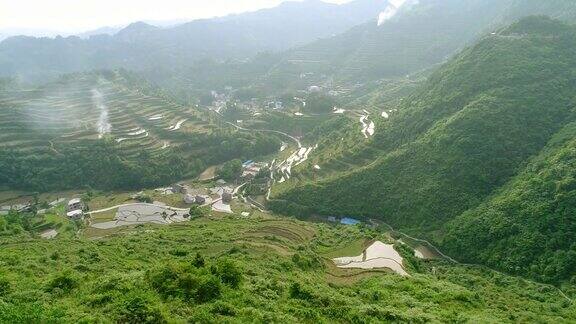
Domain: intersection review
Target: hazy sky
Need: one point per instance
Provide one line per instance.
(82, 15)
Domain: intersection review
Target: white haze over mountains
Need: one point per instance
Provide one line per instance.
(70, 17)
(103, 125)
(392, 9)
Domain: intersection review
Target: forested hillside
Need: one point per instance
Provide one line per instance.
(110, 130)
(420, 36)
(469, 131)
(529, 226)
(423, 33)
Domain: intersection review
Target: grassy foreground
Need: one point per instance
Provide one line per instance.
(217, 269)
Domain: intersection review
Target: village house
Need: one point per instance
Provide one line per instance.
(4, 210)
(189, 199)
(75, 204)
(178, 188)
(200, 200)
(251, 169)
(75, 214)
(75, 209)
(227, 197)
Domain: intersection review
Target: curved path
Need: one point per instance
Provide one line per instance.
(261, 130)
(415, 239)
(267, 131)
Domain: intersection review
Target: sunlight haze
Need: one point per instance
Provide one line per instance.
(71, 16)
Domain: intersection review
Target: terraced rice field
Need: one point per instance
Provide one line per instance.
(88, 108)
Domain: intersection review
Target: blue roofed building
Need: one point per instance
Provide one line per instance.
(349, 221)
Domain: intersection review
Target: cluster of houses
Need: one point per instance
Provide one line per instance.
(250, 169)
(28, 207)
(197, 199)
(75, 209)
(4, 210)
(191, 196)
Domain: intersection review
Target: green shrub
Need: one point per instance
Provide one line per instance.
(222, 308)
(5, 286)
(198, 261)
(307, 261)
(209, 288)
(228, 272)
(138, 309)
(185, 282)
(299, 292)
(64, 282)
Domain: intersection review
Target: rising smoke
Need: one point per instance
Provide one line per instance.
(103, 126)
(392, 9)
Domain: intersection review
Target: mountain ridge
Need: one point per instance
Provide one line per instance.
(238, 36)
(468, 132)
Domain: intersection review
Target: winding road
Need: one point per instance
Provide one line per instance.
(268, 131)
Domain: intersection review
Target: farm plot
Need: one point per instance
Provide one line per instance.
(377, 255)
(90, 107)
(135, 214)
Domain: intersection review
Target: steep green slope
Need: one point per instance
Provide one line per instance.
(471, 129)
(421, 35)
(558, 9)
(529, 226)
(238, 270)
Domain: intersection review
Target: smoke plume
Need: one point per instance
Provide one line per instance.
(103, 126)
(391, 10)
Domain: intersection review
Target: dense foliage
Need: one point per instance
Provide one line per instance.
(103, 165)
(237, 270)
(230, 170)
(528, 228)
(469, 131)
(319, 103)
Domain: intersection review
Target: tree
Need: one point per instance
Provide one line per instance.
(198, 211)
(209, 289)
(320, 103)
(139, 309)
(228, 272)
(231, 170)
(198, 261)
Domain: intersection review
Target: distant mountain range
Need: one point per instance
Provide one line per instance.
(112, 30)
(142, 46)
(34, 32)
(100, 31)
(420, 35)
